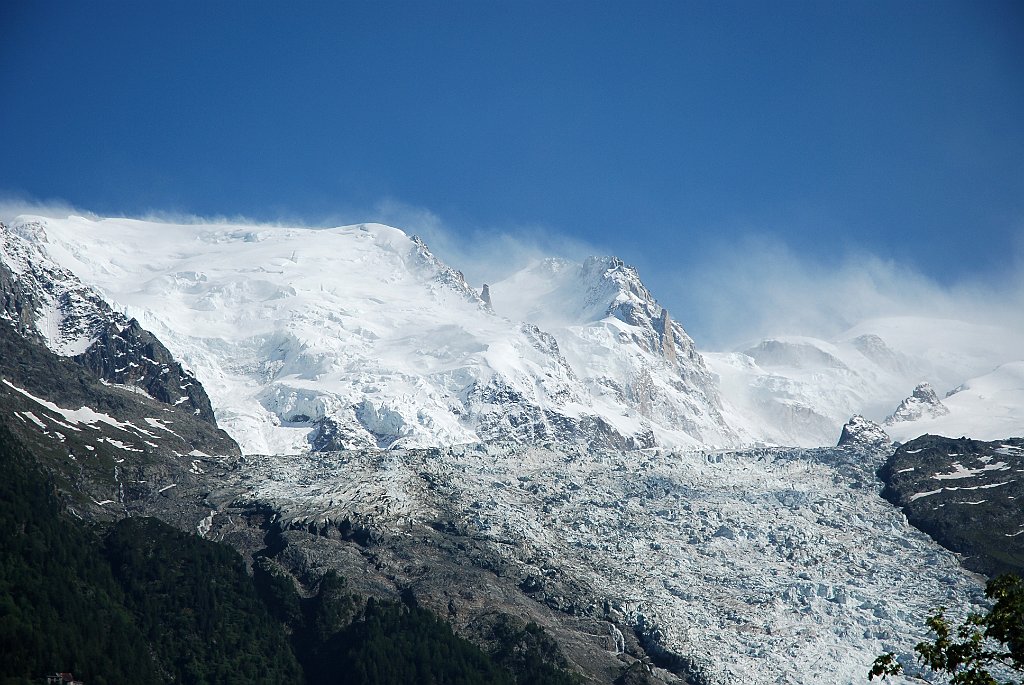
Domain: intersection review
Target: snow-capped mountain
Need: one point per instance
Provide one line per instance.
(520, 424)
(922, 404)
(623, 345)
(800, 390)
(359, 337)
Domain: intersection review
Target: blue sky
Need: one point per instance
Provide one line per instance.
(668, 133)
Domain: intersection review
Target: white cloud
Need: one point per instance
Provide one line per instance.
(760, 288)
(14, 205)
(485, 254)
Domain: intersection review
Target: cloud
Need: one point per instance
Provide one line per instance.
(760, 287)
(485, 254)
(12, 205)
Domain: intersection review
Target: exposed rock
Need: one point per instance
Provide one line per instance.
(923, 403)
(49, 304)
(966, 494)
(441, 273)
(863, 432)
(115, 450)
(130, 355)
(668, 342)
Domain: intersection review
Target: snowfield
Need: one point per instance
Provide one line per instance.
(798, 390)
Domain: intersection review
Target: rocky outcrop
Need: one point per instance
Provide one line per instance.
(668, 340)
(442, 274)
(862, 432)
(130, 355)
(44, 301)
(923, 403)
(968, 495)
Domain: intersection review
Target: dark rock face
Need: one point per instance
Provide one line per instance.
(131, 355)
(968, 495)
(48, 304)
(114, 451)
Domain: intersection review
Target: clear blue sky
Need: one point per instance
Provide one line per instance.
(659, 130)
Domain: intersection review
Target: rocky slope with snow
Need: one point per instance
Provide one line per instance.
(112, 447)
(922, 404)
(859, 431)
(967, 494)
(48, 304)
(775, 565)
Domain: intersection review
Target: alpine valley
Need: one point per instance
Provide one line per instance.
(548, 456)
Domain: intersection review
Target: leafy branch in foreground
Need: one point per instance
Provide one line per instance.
(994, 639)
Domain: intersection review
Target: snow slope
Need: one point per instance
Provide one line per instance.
(800, 390)
(358, 336)
(989, 407)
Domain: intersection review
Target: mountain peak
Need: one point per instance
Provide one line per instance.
(923, 403)
(863, 432)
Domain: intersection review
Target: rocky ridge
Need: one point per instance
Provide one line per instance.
(625, 347)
